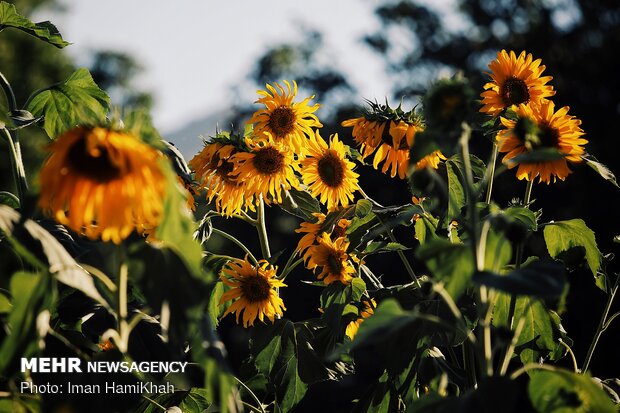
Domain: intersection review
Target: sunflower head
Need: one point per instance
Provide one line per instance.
(91, 169)
(253, 291)
(536, 128)
(447, 104)
(328, 173)
(332, 256)
(314, 230)
(514, 81)
(388, 133)
(288, 122)
(214, 170)
(266, 169)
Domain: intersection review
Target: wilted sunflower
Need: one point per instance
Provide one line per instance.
(286, 121)
(516, 80)
(551, 129)
(333, 257)
(313, 231)
(368, 309)
(253, 289)
(103, 183)
(267, 169)
(213, 167)
(328, 173)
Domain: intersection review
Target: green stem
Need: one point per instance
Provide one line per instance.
(519, 253)
(237, 242)
(289, 268)
(17, 165)
(8, 91)
(262, 230)
(492, 173)
(469, 190)
(601, 324)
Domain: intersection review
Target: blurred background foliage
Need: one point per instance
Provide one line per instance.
(577, 40)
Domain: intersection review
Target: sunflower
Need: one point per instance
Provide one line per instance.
(394, 148)
(314, 230)
(103, 183)
(366, 133)
(253, 289)
(288, 122)
(368, 309)
(555, 130)
(328, 173)
(333, 257)
(214, 170)
(268, 168)
(516, 80)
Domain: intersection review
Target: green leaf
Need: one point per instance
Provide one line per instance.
(523, 215)
(363, 207)
(177, 228)
(334, 300)
(538, 155)
(29, 296)
(563, 391)
(60, 263)
(541, 328)
(456, 193)
(283, 352)
(563, 236)
(78, 100)
(542, 279)
(426, 228)
(452, 264)
(300, 204)
(46, 31)
(600, 169)
(7, 198)
(377, 247)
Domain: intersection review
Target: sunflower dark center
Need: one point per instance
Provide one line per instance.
(388, 140)
(282, 121)
(549, 137)
(514, 91)
(255, 288)
(224, 169)
(331, 170)
(96, 166)
(268, 161)
(334, 264)
(339, 231)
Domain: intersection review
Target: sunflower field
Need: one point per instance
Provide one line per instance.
(134, 281)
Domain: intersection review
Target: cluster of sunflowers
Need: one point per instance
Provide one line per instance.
(534, 124)
(93, 168)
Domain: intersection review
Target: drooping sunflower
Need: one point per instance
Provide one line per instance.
(390, 134)
(328, 173)
(287, 122)
(515, 80)
(552, 129)
(366, 133)
(333, 257)
(103, 183)
(314, 230)
(267, 169)
(394, 148)
(214, 168)
(368, 309)
(253, 289)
